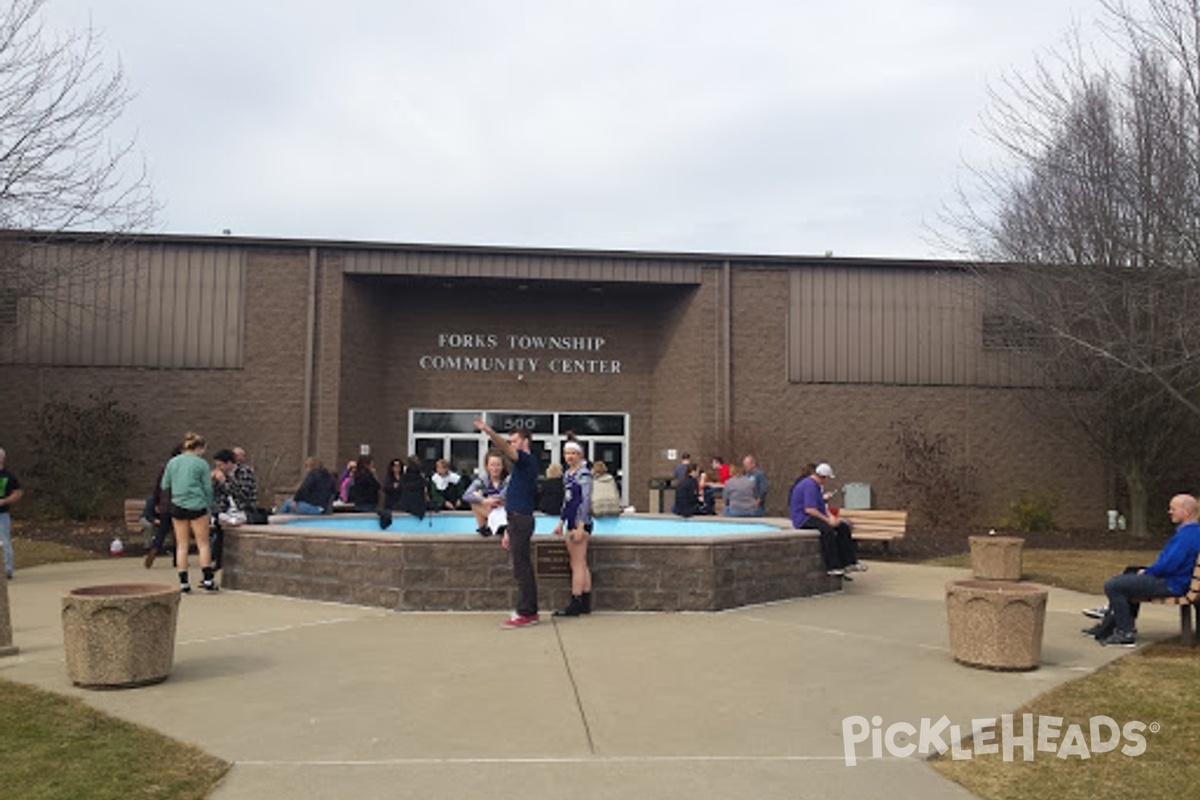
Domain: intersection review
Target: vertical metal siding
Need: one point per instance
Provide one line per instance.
(893, 326)
(141, 306)
(881, 337)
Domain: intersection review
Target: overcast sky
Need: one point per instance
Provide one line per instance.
(741, 126)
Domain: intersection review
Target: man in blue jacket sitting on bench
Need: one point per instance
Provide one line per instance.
(1168, 576)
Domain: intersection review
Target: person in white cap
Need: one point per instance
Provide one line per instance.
(809, 511)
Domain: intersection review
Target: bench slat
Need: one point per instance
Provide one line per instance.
(876, 525)
(133, 515)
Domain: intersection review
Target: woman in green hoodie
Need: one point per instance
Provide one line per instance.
(188, 479)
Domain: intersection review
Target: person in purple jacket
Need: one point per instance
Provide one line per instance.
(808, 509)
(576, 519)
(1168, 576)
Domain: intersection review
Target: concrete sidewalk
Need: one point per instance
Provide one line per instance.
(316, 700)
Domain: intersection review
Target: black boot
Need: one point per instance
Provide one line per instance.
(573, 609)
(587, 602)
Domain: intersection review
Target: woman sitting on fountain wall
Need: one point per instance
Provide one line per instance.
(391, 484)
(606, 497)
(363, 494)
(740, 500)
(414, 496)
(445, 488)
(550, 492)
(487, 492)
(316, 492)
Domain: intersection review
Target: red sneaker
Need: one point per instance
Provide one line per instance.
(518, 621)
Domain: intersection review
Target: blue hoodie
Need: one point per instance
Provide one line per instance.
(1178, 558)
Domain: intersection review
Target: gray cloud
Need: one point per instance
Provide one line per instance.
(761, 126)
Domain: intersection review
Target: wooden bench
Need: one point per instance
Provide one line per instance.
(1187, 607)
(876, 525)
(133, 516)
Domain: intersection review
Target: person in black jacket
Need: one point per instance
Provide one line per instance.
(414, 496)
(550, 493)
(364, 492)
(391, 484)
(160, 502)
(316, 493)
(687, 493)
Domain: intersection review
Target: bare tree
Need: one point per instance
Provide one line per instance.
(60, 171)
(1097, 207)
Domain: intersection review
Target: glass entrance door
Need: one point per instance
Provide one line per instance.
(612, 453)
(451, 434)
(462, 453)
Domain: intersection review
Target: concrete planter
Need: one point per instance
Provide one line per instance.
(120, 636)
(7, 648)
(996, 558)
(996, 624)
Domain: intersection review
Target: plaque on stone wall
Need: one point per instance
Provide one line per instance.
(551, 560)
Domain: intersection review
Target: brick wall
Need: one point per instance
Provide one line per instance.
(410, 315)
(372, 330)
(417, 572)
(258, 406)
(997, 431)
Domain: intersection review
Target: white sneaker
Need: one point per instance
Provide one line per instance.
(835, 573)
(1096, 613)
(858, 567)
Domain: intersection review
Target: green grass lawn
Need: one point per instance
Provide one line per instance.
(1079, 570)
(1155, 684)
(30, 553)
(58, 748)
(1152, 685)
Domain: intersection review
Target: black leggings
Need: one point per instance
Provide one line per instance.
(161, 530)
(837, 546)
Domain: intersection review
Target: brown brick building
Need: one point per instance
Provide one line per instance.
(296, 347)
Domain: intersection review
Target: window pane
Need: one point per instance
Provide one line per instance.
(592, 424)
(429, 451)
(503, 421)
(444, 422)
(539, 450)
(464, 456)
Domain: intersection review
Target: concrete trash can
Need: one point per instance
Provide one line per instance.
(996, 624)
(996, 558)
(121, 635)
